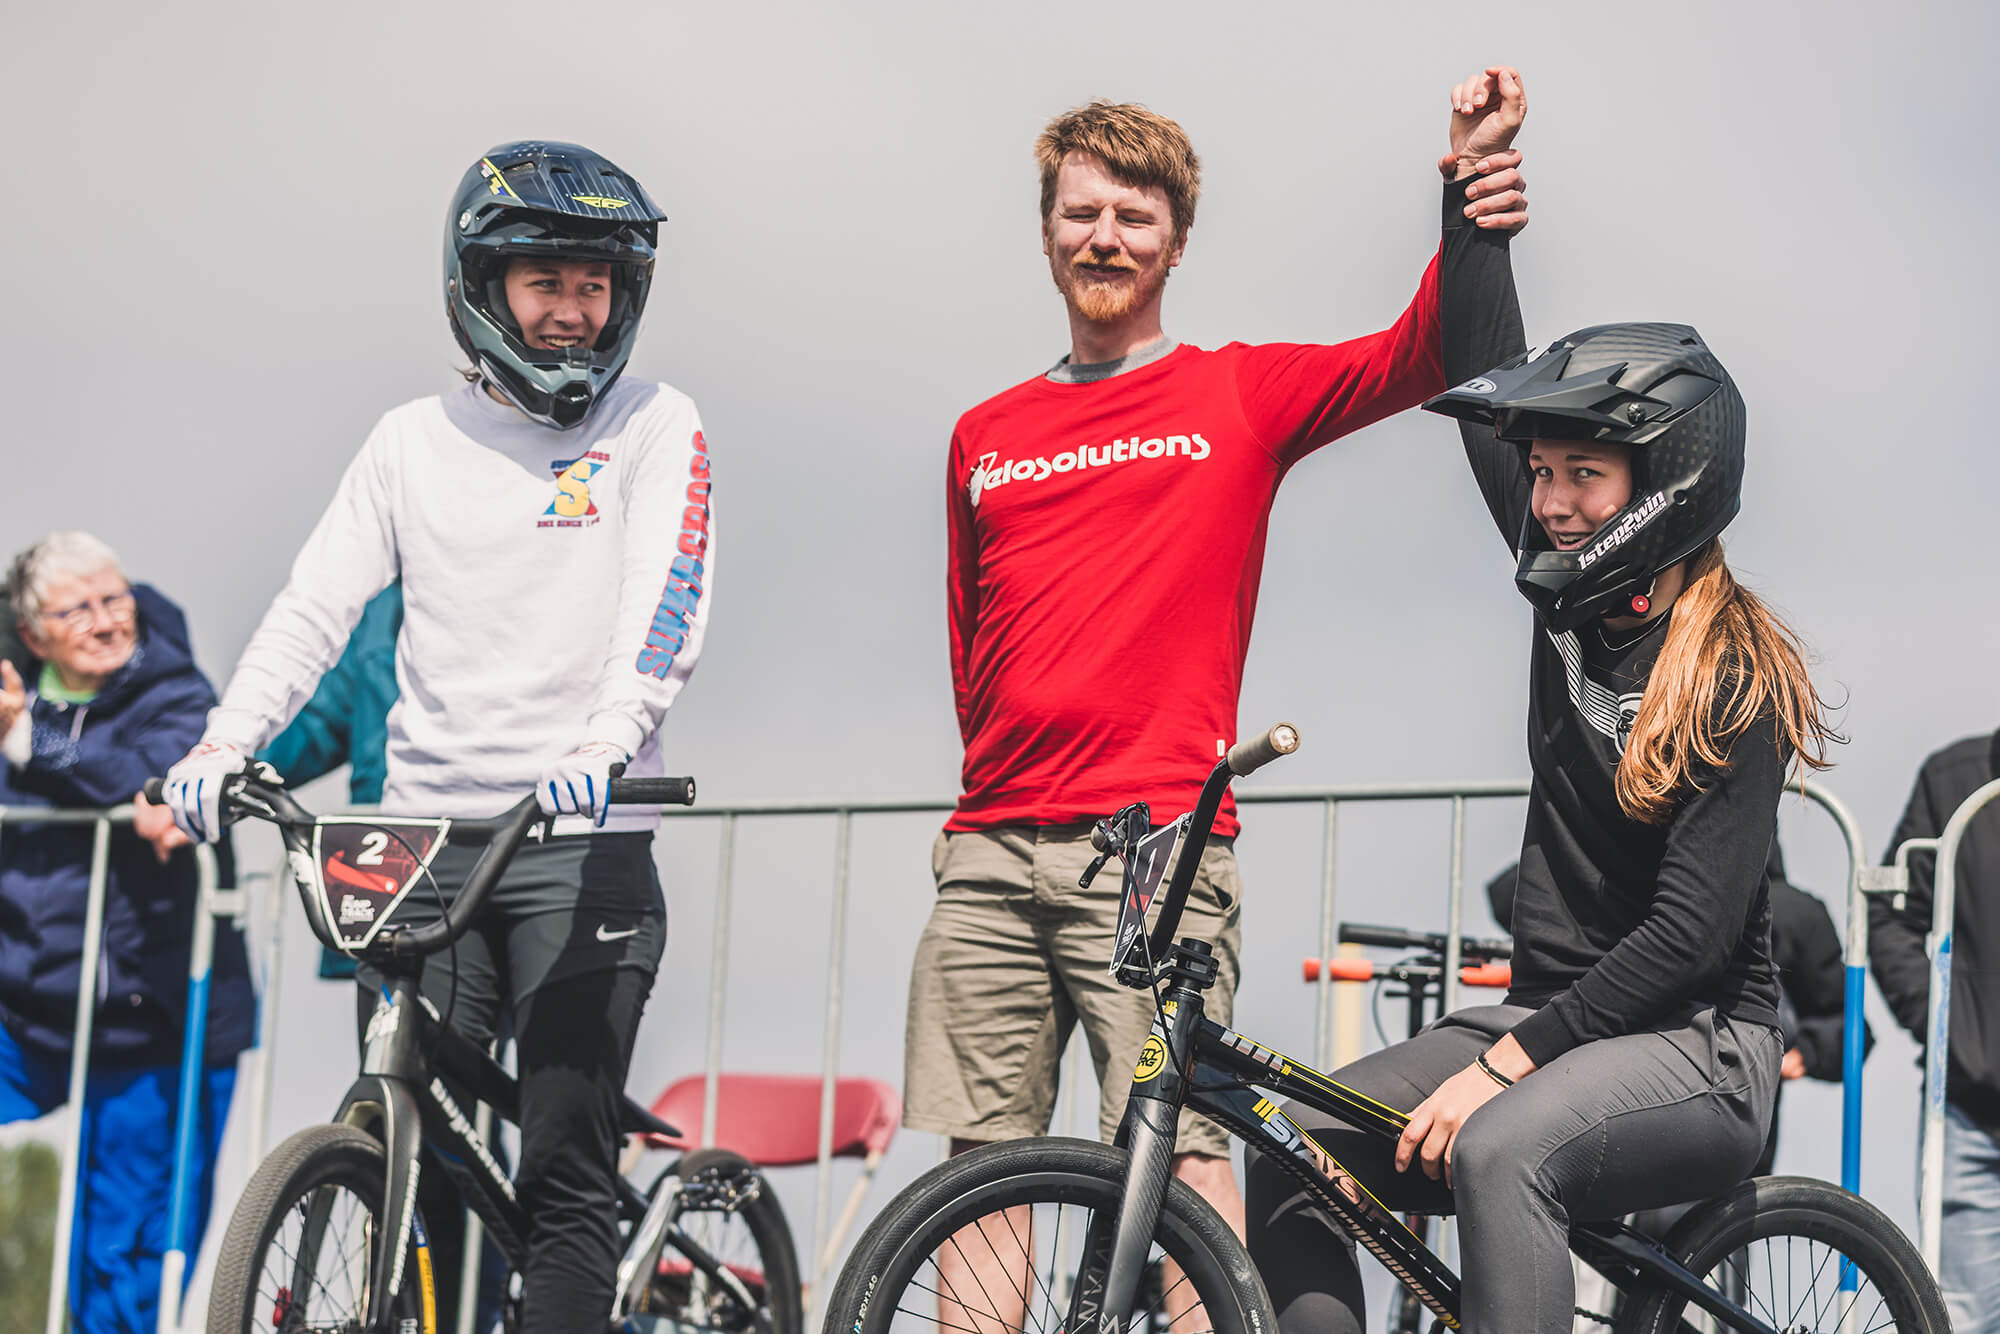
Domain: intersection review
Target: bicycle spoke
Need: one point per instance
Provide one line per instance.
(1034, 1276)
(939, 1319)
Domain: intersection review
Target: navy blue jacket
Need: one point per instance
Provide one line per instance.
(98, 754)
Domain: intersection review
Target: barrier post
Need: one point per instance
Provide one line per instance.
(1454, 952)
(1937, 1029)
(79, 1070)
(830, 1063)
(194, 1045)
(718, 981)
(1854, 1023)
(272, 970)
(1323, 1046)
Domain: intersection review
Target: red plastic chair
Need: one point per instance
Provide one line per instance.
(773, 1120)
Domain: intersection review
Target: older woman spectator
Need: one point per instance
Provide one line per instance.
(106, 694)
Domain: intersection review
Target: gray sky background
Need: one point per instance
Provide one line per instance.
(223, 254)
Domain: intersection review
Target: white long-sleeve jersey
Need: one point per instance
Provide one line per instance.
(556, 589)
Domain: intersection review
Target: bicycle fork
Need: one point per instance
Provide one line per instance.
(1114, 1257)
(382, 1096)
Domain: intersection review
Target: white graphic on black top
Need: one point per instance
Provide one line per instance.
(1607, 712)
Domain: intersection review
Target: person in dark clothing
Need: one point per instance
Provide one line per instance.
(1635, 1061)
(109, 695)
(1969, 1254)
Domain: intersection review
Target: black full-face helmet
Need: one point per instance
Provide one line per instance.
(1655, 387)
(548, 201)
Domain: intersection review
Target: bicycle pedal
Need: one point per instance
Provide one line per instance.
(720, 1188)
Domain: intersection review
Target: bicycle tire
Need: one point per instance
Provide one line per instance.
(289, 1183)
(939, 1206)
(733, 1212)
(1824, 1218)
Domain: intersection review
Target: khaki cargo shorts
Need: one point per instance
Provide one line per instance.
(1013, 956)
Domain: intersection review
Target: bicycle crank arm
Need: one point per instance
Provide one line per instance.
(635, 1267)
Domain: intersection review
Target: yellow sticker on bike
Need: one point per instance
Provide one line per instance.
(1152, 1059)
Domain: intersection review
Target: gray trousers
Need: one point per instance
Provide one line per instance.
(1636, 1122)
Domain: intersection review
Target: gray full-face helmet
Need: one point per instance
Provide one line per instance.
(1655, 387)
(548, 201)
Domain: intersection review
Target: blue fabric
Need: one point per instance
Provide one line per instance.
(347, 719)
(100, 754)
(1969, 1245)
(347, 722)
(124, 1188)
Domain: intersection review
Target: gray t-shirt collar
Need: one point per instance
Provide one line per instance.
(1068, 372)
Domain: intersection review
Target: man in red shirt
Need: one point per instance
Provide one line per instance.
(1107, 522)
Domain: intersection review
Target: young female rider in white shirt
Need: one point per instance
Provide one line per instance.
(552, 528)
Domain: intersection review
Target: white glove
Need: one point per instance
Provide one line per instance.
(577, 783)
(193, 788)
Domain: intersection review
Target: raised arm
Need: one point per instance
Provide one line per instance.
(1481, 310)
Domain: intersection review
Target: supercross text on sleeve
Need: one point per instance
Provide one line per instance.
(595, 556)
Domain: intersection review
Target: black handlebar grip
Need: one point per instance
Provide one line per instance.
(650, 792)
(1247, 757)
(1390, 937)
(156, 790)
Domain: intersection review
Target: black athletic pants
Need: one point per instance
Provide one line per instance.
(571, 939)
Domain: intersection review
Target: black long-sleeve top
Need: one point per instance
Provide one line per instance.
(1896, 939)
(1618, 925)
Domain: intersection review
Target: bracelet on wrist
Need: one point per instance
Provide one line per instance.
(1498, 1078)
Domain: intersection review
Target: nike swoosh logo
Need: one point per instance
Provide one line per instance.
(607, 936)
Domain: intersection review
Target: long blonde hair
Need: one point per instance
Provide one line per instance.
(1728, 659)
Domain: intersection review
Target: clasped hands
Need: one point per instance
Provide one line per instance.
(1486, 113)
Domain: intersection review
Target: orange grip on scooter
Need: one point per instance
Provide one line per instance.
(1488, 975)
(1341, 970)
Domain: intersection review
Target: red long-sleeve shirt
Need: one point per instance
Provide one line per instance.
(1106, 543)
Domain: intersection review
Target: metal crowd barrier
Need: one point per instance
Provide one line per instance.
(1330, 799)
(1895, 880)
(212, 902)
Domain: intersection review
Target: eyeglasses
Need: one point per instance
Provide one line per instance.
(117, 608)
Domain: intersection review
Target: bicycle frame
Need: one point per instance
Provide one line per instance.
(1190, 1060)
(402, 1098)
(400, 1095)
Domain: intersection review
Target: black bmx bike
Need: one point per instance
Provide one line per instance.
(328, 1238)
(1054, 1234)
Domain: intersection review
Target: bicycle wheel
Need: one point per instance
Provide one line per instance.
(299, 1255)
(732, 1218)
(991, 1241)
(1787, 1243)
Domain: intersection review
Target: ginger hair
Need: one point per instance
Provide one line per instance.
(1728, 659)
(1140, 147)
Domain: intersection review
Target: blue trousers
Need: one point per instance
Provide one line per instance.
(1969, 1245)
(123, 1197)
